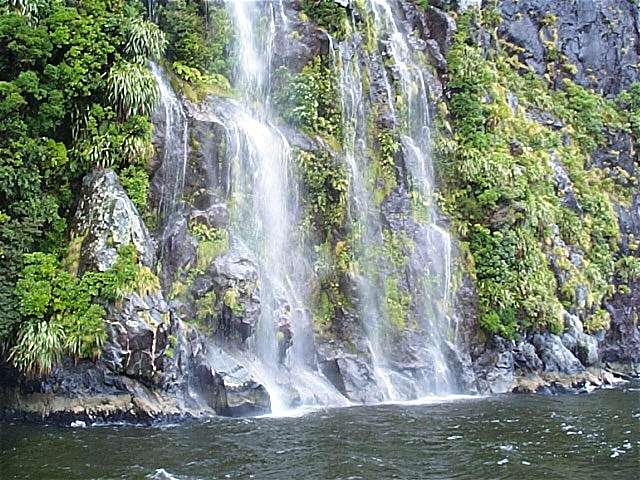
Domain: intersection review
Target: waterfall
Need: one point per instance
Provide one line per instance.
(267, 212)
(363, 215)
(432, 260)
(175, 148)
(403, 362)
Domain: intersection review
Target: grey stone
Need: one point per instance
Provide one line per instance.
(106, 220)
(599, 37)
(555, 356)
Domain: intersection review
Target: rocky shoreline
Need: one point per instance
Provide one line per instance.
(147, 407)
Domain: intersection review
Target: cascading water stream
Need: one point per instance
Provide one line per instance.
(175, 149)
(431, 297)
(416, 146)
(266, 214)
(363, 217)
(265, 205)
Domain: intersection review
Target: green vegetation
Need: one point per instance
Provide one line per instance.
(74, 95)
(212, 242)
(308, 100)
(206, 311)
(328, 15)
(135, 181)
(398, 303)
(132, 89)
(383, 164)
(500, 189)
(325, 182)
(59, 310)
(230, 299)
(198, 39)
(325, 186)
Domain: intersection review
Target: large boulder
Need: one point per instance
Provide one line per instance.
(555, 356)
(227, 296)
(106, 220)
(349, 373)
(243, 394)
(583, 346)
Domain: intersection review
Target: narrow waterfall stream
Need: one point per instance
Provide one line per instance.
(433, 274)
(429, 269)
(175, 147)
(267, 213)
(364, 217)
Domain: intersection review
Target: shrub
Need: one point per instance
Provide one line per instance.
(132, 89)
(328, 15)
(135, 181)
(144, 41)
(307, 99)
(38, 347)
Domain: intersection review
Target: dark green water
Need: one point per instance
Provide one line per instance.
(594, 436)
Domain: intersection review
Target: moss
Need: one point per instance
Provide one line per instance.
(206, 308)
(231, 300)
(324, 312)
(196, 86)
(212, 243)
(628, 269)
(398, 303)
(383, 164)
(71, 261)
(146, 282)
(600, 320)
(178, 290)
(397, 248)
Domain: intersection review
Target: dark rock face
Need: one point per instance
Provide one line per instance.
(138, 333)
(295, 51)
(178, 249)
(598, 37)
(494, 367)
(235, 280)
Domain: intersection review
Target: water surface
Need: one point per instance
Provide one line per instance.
(592, 436)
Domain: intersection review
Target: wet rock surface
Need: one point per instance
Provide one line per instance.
(598, 37)
(351, 375)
